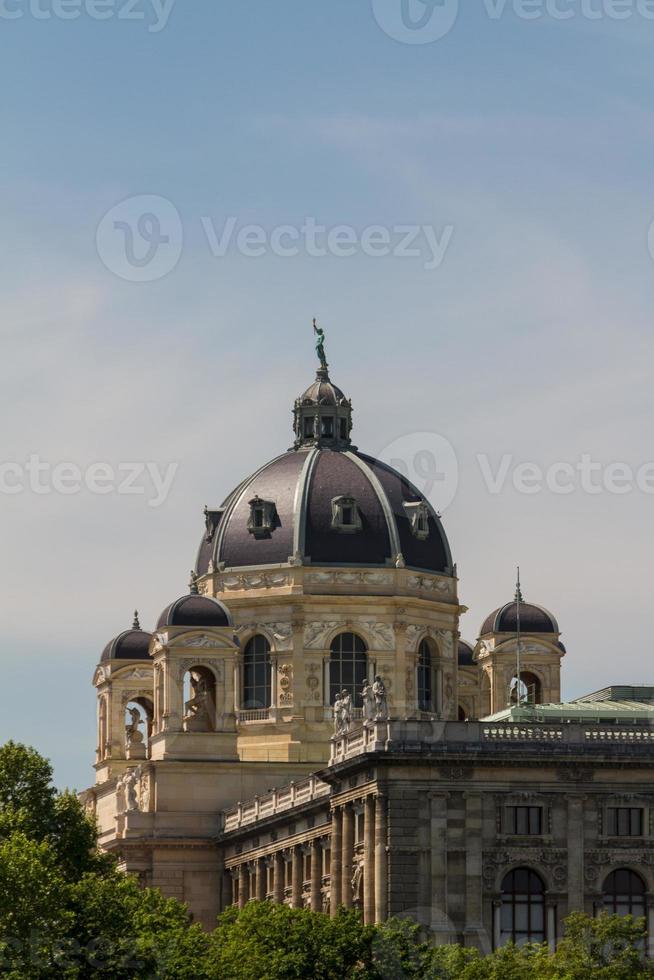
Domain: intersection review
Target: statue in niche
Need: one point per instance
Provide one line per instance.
(368, 702)
(342, 712)
(198, 713)
(381, 699)
(133, 733)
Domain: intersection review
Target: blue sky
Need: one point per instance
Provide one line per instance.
(531, 141)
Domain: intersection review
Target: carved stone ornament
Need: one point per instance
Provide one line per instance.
(204, 643)
(100, 677)
(313, 682)
(281, 633)
(286, 684)
(575, 774)
(369, 579)
(455, 772)
(315, 634)
(549, 858)
(251, 581)
(424, 583)
(382, 635)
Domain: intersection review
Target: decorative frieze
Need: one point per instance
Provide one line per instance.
(252, 580)
(280, 633)
(551, 859)
(366, 579)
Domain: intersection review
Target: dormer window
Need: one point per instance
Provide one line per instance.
(418, 514)
(346, 517)
(263, 517)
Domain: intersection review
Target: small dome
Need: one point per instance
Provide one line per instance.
(133, 644)
(533, 619)
(465, 654)
(323, 392)
(193, 611)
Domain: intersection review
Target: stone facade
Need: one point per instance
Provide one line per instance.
(322, 573)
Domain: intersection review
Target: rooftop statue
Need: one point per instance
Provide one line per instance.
(320, 345)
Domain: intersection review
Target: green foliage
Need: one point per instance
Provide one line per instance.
(67, 912)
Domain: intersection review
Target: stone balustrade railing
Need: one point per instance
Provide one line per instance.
(423, 736)
(278, 800)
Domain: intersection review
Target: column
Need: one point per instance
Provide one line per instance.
(369, 860)
(242, 886)
(296, 877)
(278, 878)
(474, 926)
(335, 871)
(347, 855)
(551, 926)
(381, 859)
(237, 686)
(316, 876)
(575, 853)
(650, 926)
(440, 921)
(497, 923)
(260, 880)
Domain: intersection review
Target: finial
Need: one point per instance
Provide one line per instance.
(518, 590)
(320, 348)
(193, 584)
(136, 625)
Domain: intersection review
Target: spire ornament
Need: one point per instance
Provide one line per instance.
(136, 625)
(193, 584)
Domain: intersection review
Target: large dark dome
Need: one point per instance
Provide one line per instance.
(533, 619)
(300, 493)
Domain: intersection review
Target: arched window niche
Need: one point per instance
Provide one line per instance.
(531, 689)
(257, 675)
(139, 717)
(199, 700)
(348, 667)
(522, 910)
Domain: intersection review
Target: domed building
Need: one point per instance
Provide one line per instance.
(306, 724)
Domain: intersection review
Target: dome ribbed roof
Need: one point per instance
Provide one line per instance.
(132, 644)
(533, 619)
(303, 485)
(195, 611)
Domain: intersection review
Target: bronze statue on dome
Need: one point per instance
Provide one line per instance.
(320, 345)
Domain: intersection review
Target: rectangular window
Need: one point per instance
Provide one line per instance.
(328, 427)
(347, 516)
(523, 820)
(343, 424)
(308, 428)
(258, 517)
(624, 821)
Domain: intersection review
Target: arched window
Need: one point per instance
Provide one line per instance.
(257, 674)
(425, 678)
(531, 691)
(485, 695)
(463, 714)
(624, 893)
(348, 667)
(522, 917)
